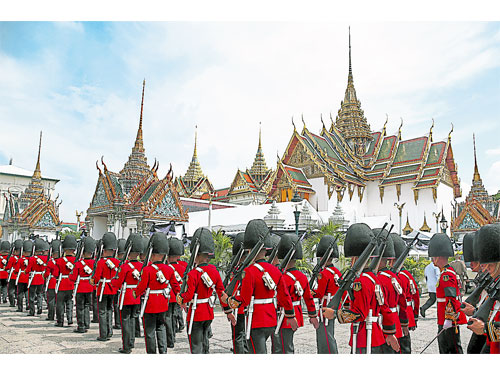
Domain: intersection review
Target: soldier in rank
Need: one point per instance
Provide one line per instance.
(22, 277)
(328, 284)
(64, 286)
(116, 310)
(4, 275)
(126, 282)
(261, 286)
(176, 250)
(50, 279)
(156, 282)
(450, 315)
(203, 282)
(81, 277)
(11, 269)
(105, 271)
(36, 269)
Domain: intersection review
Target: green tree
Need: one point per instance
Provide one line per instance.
(416, 267)
(73, 232)
(223, 247)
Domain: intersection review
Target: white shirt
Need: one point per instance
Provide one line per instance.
(431, 276)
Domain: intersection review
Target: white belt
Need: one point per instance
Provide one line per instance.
(393, 309)
(155, 291)
(203, 300)
(64, 276)
(37, 273)
(296, 303)
(441, 299)
(105, 280)
(84, 278)
(374, 319)
(409, 303)
(132, 287)
(263, 301)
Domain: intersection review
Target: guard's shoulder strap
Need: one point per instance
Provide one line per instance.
(370, 278)
(259, 267)
(291, 275)
(155, 267)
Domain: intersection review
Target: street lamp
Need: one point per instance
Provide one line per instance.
(296, 199)
(443, 223)
(400, 209)
(437, 216)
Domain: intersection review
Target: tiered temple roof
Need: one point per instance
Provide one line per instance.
(35, 188)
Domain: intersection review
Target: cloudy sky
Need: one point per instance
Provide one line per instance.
(80, 83)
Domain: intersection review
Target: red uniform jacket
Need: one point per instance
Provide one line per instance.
(195, 285)
(11, 265)
(62, 268)
(264, 315)
(492, 332)
(84, 285)
(180, 268)
(327, 284)
(289, 277)
(39, 269)
(104, 274)
(447, 296)
(157, 301)
(394, 301)
(126, 275)
(236, 293)
(3, 266)
(412, 297)
(49, 273)
(363, 290)
(21, 266)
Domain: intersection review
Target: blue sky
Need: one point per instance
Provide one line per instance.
(81, 84)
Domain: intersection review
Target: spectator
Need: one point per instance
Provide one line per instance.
(431, 277)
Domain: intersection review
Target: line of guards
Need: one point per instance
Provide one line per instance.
(263, 292)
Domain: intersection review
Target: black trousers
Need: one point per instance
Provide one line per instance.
(283, 342)
(106, 316)
(169, 321)
(22, 288)
(137, 326)
(239, 336)
(12, 291)
(83, 301)
(51, 303)
(405, 344)
(116, 310)
(375, 350)
(387, 349)
(429, 302)
(64, 302)
(128, 316)
(325, 339)
(449, 341)
(35, 296)
(178, 318)
(3, 287)
(95, 309)
(476, 344)
(155, 332)
(198, 340)
(258, 337)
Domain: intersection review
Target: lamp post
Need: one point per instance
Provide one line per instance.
(78, 214)
(400, 209)
(437, 216)
(443, 223)
(296, 199)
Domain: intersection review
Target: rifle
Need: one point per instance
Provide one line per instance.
(398, 264)
(483, 312)
(321, 264)
(482, 280)
(149, 249)
(273, 254)
(246, 262)
(288, 257)
(190, 265)
(381, 248)
(232, 266)
(97, 255)
(49, 255)
(353, 273)
(79, 253)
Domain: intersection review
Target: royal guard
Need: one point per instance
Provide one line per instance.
(408, 317)
(126, 282)
(11, 269)
(364, 307)
(156, 282)
(64, 286)
(394, 319)
(4, 275)
(262, 290)
(36, 269)
(83, 289)
(50, 279)
(328, 284)
(203, 283)
(105, 271)
(487, 252)
(22, 277)
(449, 313)
(116, 310)
(176, 250)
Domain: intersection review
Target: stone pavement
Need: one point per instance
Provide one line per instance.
(20, 333)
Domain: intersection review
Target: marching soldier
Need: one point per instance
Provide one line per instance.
(176, 250)
(261, 285)
(203, 282)
(156, 282)
(367, 299)
(450, 316)
(129, 275)
(4, 275)
(83, 289)
(64, 286)
(116, 311)
(105, 271)
(36, 268)
(410, 290)
(327, 287)
(11, 269)
(22, 277)
(51, 281)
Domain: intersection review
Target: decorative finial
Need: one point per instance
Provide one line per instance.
(104, 164)
(430, 131)
(195, 153)
(400, 127)
(324, 127)
(97, 166)
(37, 174)
(451, 131)
(303, 121)
(260, 131)
(350, 66)
(293, 123)
(476, 177)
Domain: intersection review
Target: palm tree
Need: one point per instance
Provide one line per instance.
(223, 253)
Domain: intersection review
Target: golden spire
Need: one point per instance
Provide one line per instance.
(349, 78)
(195, 154)
(37, 173)
(194, 172)
(139, 142)
(35, 188)
(259, 168)
(477, 177)
(425, 227)
(407, 229)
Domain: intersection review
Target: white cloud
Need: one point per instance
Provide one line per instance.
(493, 152)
